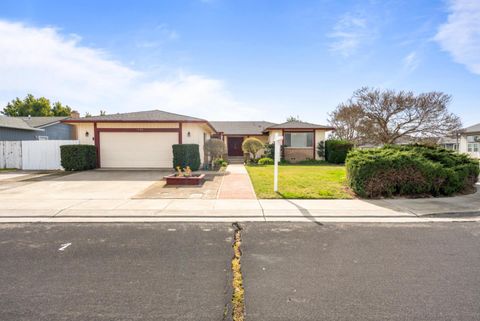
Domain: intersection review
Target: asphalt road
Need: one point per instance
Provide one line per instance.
(362, 272)
(114, 272)
(291, 271)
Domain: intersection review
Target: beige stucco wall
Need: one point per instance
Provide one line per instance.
(81, 129)
(137, 125)
(271, 134)
(319, 136)
(198, 135)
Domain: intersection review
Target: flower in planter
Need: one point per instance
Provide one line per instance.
(188, 171)
(179, 171)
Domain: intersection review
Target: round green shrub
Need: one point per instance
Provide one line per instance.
(410, 171)
(336, 151)
(265, 161)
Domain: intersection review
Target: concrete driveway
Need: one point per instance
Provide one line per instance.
(88, 185)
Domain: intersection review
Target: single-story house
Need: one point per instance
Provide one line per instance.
(34, 128)
(470, 141)
(144, 139)
(451, 143)
(140, 139)
(299, 138)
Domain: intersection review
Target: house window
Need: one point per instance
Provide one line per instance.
(299, 139)
(473, 147)
(450, 146)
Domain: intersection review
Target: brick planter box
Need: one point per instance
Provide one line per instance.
(181, 180)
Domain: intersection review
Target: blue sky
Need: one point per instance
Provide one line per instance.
(247, 60)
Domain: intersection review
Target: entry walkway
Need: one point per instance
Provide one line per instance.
(236, 184)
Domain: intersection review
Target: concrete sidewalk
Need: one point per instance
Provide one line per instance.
(242, 210)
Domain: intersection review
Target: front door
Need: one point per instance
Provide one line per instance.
(235, 146)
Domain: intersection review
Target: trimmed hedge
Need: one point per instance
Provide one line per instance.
(336, 150)
(186, 155)
(410, 171)
(78, 157)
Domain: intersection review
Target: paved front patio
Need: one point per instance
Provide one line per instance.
(209, 189)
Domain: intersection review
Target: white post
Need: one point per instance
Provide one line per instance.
(277, 139)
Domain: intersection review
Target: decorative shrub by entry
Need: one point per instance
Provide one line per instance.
(410, 171)
(186, 155)
(78, 157)
(336, 150)
(265, 161)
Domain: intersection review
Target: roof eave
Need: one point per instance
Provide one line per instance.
(23, 128)
(73, 121)
(298, 128)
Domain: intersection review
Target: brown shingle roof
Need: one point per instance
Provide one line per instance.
(296, 124)
(241, 127)
(150, 115)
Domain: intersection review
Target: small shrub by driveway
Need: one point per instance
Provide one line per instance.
(410, 171)
(297, 181)
(78, 157)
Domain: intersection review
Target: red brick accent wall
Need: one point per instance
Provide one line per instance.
(294, 155)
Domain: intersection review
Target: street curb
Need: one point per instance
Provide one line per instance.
(452, 214)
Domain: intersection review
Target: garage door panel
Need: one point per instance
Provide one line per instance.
(137, 150)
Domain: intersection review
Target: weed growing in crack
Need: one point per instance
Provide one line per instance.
(238, 297)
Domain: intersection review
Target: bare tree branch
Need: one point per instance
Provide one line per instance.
(384, 116)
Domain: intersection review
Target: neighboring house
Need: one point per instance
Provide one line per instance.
(299, 138)
(470, 141)
(451, 143)
(34, 128)
(140, 139)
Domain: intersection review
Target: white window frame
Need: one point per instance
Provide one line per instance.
(42, 137)
(473, 147)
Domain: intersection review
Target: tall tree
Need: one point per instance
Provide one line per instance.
(347, 120)
(293, 118)
(31, 106)
(384, 116)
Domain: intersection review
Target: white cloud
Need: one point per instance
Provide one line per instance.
(460, 35)
(411, 61)
(350, 33)
(44, 62)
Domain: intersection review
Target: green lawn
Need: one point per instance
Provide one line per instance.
(7, 169)
(299, 181)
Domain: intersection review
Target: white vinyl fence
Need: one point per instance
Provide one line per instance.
(32, 154)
